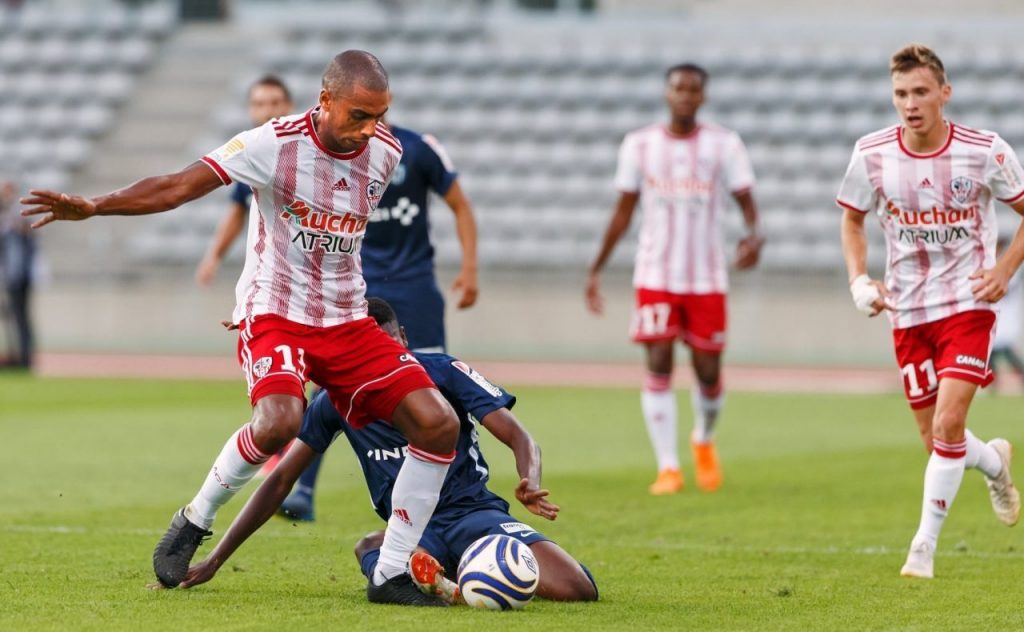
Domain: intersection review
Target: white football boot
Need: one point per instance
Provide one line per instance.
(1005, 497)
(920, 560)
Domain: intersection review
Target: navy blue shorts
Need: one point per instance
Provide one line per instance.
(419, 305)
(447, 539)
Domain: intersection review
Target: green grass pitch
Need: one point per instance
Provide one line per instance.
(822, 495)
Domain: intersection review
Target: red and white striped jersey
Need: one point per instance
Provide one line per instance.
(937, 212)
(683, 183)
(302, 261)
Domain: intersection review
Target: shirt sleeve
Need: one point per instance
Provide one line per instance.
(856, 192)
(249, 157)
(1003, 173)
(321, 423)
(628, 176)
(476, 394)
(440, 171)
(739, 173)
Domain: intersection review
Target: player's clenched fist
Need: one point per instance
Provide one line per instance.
(53, 206)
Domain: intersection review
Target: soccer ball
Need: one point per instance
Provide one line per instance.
(498, 573)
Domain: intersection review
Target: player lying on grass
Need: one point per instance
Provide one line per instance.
(467, 510)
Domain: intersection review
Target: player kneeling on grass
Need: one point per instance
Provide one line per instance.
(932, 184)
(466, 511)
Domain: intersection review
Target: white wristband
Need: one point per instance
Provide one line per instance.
(865, 293)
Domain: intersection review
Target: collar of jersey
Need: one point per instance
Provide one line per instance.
(316, 139)
(945, 146)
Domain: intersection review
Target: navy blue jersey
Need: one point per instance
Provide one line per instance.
(241, 194)
(397, 241)
(381, 449)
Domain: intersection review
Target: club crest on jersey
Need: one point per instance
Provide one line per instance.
(961, 188)
(480, 380)
(374, 190)
(261, 367)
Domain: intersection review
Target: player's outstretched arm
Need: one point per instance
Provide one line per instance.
(228, 230)
(993, 284)
(149, 195)
(616, 229)
(465, 227)
(748, 251)
(504, 425)
(868, 295)
(258, 510)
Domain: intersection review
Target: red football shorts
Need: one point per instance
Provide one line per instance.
(958, 346)
(696, 319)
(364, 370)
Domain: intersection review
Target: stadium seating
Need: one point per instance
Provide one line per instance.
(532, 122)
(63, 74)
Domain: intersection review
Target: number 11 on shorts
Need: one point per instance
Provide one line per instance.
(910, 372)
(286, 360)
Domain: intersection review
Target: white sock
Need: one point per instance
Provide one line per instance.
(413, 499)
(982, 456)
(658, 403)
(705, 413)
(235, 466)
(941, 482)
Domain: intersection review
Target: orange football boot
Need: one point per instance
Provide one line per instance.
(428, 575)
(669, 481)
(709, 470)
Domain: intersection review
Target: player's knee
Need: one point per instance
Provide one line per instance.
(949, 422)
(276, 420)
(438, 429)
(575, 585)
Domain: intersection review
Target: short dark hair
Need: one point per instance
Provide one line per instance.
(275, 81)
(381, 311)
(354, 68)
(689, 67)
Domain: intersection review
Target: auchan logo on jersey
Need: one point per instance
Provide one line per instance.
(303, 216)
(687, 186)
(933, 216)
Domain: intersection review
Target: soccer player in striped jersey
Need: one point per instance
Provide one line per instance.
(398, 261)
(932, 183)
(301, 308)
(682, 175)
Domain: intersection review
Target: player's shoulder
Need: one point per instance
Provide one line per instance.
(289, 126)
(645, 132)
(980, 138)
(437, 365)
(384, 138)
(878, 139)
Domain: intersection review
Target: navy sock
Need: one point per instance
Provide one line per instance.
(369, 562)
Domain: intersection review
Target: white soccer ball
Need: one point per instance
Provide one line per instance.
(498, 573)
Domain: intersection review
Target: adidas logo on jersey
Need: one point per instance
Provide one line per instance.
(340, 185)
(925, 184)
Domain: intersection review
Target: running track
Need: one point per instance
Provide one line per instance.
(741, 378)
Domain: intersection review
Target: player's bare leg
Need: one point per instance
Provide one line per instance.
(707, 398)
(432, 428)
(658, 403)
(275, 421)
(562, 578)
